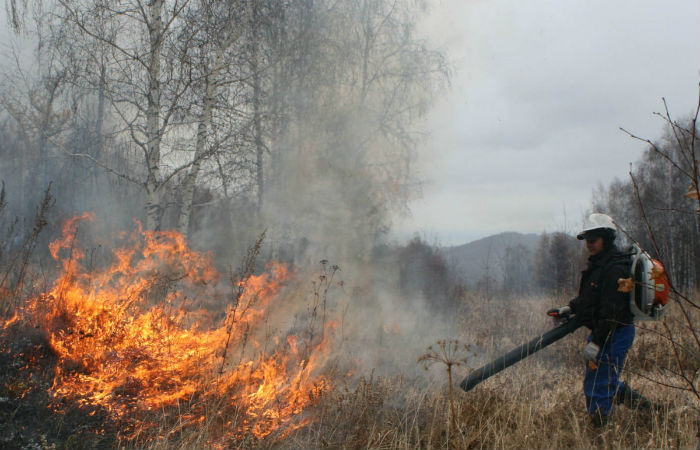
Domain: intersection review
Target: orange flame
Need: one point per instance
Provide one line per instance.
(148, 332)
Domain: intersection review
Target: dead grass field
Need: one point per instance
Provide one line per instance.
(537, 403)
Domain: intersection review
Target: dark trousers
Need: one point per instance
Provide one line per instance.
(601, 385)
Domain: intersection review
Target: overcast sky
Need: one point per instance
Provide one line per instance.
(539, 90)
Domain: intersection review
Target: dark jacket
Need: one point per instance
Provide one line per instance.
(599, 304)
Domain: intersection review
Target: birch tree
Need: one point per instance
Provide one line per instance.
(141, 47)
(219, 25)
(351, 82)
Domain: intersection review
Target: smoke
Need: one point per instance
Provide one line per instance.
(369, 327)
(341, 108)
(327, 201)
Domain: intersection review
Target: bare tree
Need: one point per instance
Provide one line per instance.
(219, 25)
(133, 56)
(346, 94)
(554, 267)
(305, 112)
(34, 95)
(674, 158)
(516, 263)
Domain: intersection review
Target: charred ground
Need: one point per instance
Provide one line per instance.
(29, 416)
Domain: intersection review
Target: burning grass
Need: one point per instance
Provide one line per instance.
(155, 339)
(148, 346)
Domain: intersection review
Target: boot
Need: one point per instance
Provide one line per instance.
(598, 420)
(634, 400)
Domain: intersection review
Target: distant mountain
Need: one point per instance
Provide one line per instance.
(473, 261)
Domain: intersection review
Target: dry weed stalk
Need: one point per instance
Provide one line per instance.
(239, 284)
(320, 298)
(15, 262)
(448, 352)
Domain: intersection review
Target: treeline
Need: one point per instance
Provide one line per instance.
(657, 204)
(553, 267)
(219, 118)
(557, 263)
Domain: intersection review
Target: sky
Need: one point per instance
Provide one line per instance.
(539, 90)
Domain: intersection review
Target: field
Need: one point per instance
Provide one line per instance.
(150, 349)
(537, 403)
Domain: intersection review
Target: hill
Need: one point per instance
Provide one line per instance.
(484, 257)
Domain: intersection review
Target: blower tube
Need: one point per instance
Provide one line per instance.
(519, 353)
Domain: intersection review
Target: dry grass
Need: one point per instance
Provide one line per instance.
(528, 410)
(537, 403)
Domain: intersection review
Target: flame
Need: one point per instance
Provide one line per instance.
(12, 320)
(147, 333)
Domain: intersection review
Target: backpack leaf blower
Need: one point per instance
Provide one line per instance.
(569, 325)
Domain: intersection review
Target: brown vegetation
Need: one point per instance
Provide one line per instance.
(536, 404)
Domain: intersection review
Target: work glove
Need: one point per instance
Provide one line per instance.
(590, 352)
(559, 314)
(564, 311)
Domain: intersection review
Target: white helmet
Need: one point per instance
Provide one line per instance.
(598, 225)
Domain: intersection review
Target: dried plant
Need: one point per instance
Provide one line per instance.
(239, 284)
(14, 262)
(320, 299)
(449, 353)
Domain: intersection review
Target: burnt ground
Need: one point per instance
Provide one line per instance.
(30, 418)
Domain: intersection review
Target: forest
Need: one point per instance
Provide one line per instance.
(219, 118)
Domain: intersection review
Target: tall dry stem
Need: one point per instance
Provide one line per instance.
(238, 283)
(16, 266)
(448, 353)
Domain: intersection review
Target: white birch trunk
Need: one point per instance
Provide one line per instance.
(154, 209)
(183, 222)
(257, 107)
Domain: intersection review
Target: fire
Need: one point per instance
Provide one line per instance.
(147, 333)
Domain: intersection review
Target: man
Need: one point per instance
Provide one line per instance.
(605, 311)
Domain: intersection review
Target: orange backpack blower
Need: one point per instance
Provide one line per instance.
(649, 294)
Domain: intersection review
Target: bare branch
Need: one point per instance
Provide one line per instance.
(100, 164)
(109, 42)
(659, 152)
